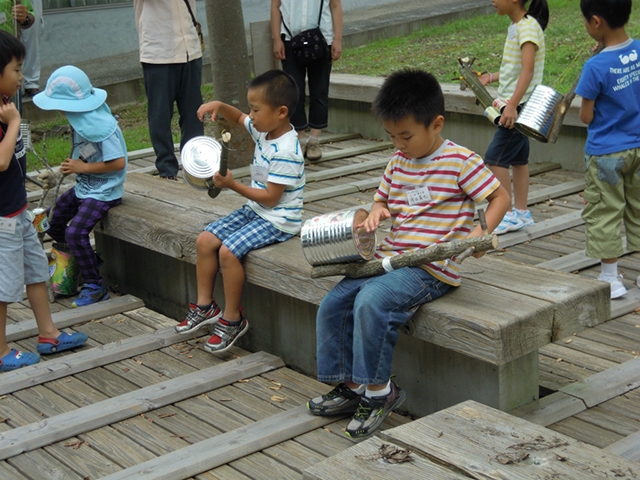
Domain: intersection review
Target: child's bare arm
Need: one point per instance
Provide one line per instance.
(71, 165)
(269, 197)
(587, 110)
(230, 113)
(10, 116)
(499, 204)
(510, 113)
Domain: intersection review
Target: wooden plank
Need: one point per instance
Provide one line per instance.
(68, 318)
(227, 447)
(586, 432)
(550, 409)
(606, 385)
(555, 191)
(577, 260)
(578, 302)
(628, 447)
(626, 304)
(541, 229)
(538, 168)
(124, 406)
(84, 360)
(485, 443)
(361, 461)
(40, 465)
(346, 170)
(329, 192)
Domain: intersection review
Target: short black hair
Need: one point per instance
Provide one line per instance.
(279, 89)
(409, 92)
(10, 48)
(615, 12)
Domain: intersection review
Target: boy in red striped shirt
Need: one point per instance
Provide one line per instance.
(429, 190)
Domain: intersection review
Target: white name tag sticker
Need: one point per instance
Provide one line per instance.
(87, 150)
(259, 173)
(418, 196)
(3, 18)
(8, 225)
(512, 31)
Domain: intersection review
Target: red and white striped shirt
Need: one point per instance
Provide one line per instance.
(447, 184)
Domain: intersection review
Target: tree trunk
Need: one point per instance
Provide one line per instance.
(231, 72)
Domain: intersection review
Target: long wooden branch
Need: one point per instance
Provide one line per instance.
(441, 251)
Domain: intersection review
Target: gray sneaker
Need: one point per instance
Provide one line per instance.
(373, 411)
(313, 151)
(225, 335)
(196, 318)
(340, 400)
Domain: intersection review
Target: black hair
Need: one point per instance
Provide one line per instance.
(409, 92)
(279, 89)
(615, 12)
(538, 10)
(10, 48)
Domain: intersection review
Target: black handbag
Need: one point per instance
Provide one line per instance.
(308, 46)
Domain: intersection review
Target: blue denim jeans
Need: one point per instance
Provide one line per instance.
(358, 321)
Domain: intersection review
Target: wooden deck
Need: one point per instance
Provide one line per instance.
(140, 401)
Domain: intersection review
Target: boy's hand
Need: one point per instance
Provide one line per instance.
(72, 166)
(509, 116)
(225, 181)
(211, 107)
(374, 218)
(9, 113)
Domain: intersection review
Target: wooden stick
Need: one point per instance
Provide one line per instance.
(440, 251)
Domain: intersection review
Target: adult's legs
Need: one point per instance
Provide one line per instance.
(31, 39)
(160, 82)
(189, 99)
(299, 73)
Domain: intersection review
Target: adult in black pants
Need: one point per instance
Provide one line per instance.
(171, 60)
(289, 18)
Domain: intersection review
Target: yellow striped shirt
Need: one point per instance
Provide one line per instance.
(526, 30)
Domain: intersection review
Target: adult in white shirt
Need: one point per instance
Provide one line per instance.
(171, 60)
(289, 18)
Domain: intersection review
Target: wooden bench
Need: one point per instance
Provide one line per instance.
(473, 441)
(478, 342)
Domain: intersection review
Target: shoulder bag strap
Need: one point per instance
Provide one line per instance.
(193, 17)
(287, 28)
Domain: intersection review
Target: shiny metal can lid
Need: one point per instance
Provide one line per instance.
(200, 157)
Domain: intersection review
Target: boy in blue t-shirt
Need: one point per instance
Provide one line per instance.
(99, 160)
(610, 90)
(22, 260)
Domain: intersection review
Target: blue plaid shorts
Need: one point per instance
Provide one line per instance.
(244, 230)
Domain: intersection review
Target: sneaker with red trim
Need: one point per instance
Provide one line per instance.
(225, 334)
(197, 317)
(65, 341)
(17, 359)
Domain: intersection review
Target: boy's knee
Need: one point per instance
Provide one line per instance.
(207, 242)
(226, 256)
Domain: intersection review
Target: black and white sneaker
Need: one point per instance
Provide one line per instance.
(373, 411)
(340, 400)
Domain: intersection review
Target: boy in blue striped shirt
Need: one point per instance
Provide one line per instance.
(272, 214)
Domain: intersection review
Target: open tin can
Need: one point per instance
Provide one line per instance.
(334, 238)
(200, 159)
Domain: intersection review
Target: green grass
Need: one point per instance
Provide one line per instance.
(435, 49)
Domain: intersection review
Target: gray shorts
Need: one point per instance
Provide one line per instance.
(22, 259)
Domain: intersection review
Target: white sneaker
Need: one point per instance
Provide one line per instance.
(617, 288)
(525, 217)
(510, 222)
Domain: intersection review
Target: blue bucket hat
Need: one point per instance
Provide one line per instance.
(70, 90)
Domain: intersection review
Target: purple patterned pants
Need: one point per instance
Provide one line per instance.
(81, 215)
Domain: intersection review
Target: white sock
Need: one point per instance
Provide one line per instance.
(609, 269)
(313, 139)
(521, 212)
(379, 393)
(360, 390)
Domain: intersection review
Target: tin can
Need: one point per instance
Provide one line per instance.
(335, 238)
(499, 104)
(40, 220)
(493, 115)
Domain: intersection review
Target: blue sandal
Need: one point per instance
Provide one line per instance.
(65, 341)
(16, 359)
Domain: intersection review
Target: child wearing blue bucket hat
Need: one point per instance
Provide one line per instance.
(99, 160)
(22, 259)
